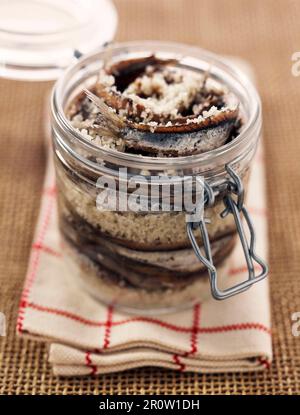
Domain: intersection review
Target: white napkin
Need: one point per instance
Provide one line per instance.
(87, 337)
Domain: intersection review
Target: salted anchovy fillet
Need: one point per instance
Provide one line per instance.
(160, 108)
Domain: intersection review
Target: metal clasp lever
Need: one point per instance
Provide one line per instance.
(234, 186)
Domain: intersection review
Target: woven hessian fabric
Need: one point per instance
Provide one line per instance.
(266, 36)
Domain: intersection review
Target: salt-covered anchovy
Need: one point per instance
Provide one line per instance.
(161, 109)
(182, 139)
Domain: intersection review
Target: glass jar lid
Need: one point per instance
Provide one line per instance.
(39, 38)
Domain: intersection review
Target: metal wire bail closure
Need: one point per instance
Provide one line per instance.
(234, 207)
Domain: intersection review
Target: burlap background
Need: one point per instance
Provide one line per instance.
(266, 33)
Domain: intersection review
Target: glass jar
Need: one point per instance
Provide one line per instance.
(152, 261)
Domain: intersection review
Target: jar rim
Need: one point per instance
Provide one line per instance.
(230, 151)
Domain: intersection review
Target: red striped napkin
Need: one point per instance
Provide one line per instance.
(86, 337)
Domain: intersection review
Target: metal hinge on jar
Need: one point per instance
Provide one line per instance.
(235, 187)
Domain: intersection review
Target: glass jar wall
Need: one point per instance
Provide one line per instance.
(144, 260)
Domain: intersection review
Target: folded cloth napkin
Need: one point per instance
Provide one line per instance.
(86, 337)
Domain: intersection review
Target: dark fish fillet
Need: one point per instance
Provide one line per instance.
(203, 122)
(176, 140)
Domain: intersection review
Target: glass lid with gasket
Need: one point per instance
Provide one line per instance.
(40, 38)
